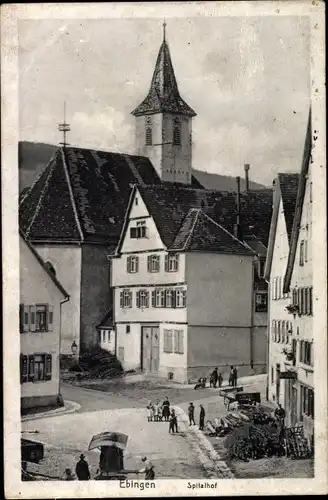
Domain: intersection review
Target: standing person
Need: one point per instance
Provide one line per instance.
(235, 377)
(68, 475)
(280, 415)
(231, 376)
(148, 469)
(201, 418)
(215, 377)
(156, 407)
(191, 414)
(173, 422)
(220, 379)
(150, 409)
(166, 409)
(82, 469)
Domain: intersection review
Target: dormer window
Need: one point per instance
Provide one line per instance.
(149, 132)
(176, 132)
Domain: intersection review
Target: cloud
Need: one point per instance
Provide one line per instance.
(107, 129)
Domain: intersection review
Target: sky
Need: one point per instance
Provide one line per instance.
(247, 78)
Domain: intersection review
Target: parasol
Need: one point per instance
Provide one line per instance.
(116, 439)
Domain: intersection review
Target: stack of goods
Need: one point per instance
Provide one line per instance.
(297, 445)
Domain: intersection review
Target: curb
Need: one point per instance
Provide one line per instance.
(211, 460)
(71, 408)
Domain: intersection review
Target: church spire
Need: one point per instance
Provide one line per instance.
(163, 95)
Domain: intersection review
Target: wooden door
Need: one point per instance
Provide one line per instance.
(146, 349)
(154, 349)
(150, 349)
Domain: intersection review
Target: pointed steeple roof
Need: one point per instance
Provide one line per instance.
(163, 95)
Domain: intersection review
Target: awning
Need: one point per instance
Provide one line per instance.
(116, 439)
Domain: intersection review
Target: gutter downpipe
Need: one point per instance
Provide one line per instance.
(252, 319)
(60, 335)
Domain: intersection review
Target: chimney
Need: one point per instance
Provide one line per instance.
(246, 168)
(237, 231)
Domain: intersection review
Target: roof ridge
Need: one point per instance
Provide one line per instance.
(38, 206)
(71, 195)
(197, 210)
(225, 230)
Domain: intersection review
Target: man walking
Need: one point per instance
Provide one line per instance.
(214, 378)
(201, 418)
(82, 469)
(191, 414)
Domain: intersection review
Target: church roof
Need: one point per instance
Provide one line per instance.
(163, 95)
(170, 205)
(200, 233)
(82, 195)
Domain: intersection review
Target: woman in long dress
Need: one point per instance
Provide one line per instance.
(166, 409)
(150, 409)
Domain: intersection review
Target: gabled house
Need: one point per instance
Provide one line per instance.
(183, 289)
(298, 282)
(42, 299)
(280, 325)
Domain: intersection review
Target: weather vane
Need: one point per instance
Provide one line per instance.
(64, 127)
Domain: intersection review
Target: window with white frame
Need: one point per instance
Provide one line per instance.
(168, 341)
(158, 298)
(125, 299)
(180, 297)
(307, 401)
(139, 231)
(178, 342)
(153, 263)
(132, 264)
(171, 263)
(142, 299)
(36, 318)
(169, 298)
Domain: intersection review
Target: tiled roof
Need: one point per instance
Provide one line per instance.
(107, 320)
(82, 195)
(169, 205)
(200, 233)
(288, 187)
(163, 95)
(299, 204)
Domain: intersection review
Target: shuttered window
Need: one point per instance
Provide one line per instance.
(48, 367)
(169, 298)
(31, 369)
(132, 264)
(50, 318)
(153, 263)
(171, 263)
(180, 297)
(283, 332)
(158, 298)
(311, 301)
(125, 299)
(168, 341)
(26, 323)
(142, 299)
(178, 342)
(21, 318)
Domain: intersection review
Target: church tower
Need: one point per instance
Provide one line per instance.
(163, 123)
